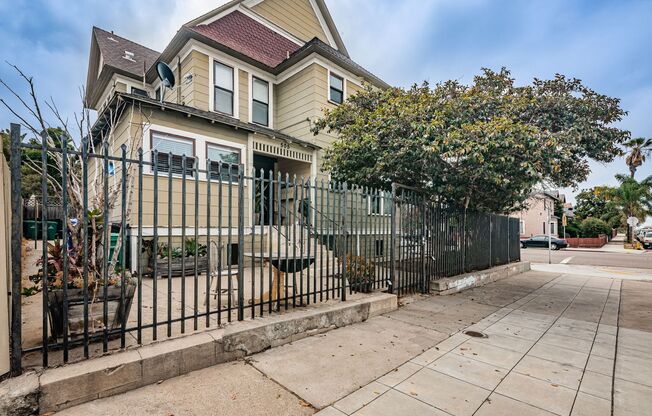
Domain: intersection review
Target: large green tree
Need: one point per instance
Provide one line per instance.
(484, 146)
(597, 203)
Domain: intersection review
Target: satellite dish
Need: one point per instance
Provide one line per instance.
(166, 76)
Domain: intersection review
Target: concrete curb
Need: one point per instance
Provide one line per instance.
(450, 285)
(73, 384)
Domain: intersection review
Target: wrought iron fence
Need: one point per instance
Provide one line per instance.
(194, 244)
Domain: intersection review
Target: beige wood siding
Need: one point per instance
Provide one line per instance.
(195, 94)
(5, 262)
(295, 16)
(324, 138)
(351, 88)
(294, 103)
(128, 129)
(119, 87)
(244, 95)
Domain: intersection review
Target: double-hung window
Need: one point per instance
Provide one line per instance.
(336, 93)
(260, 102)
(177, 147)
(223, 88)
(225, 157)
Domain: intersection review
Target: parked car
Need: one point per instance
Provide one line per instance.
(647, 240)
(542, 241)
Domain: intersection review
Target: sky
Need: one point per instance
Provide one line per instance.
(606, 44)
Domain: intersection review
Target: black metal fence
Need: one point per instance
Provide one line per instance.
(158, 245)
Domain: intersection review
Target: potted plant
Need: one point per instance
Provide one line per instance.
(360, 273)
(118, 307)
(180, 261)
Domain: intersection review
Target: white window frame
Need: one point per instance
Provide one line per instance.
(172, 138)
(270, 92)
(269, 96)
(328, 91)
(383, 198)
(236, 84)
(201, 142)
(222, 147)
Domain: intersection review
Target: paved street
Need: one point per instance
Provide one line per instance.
(552, 343)
(640, 259)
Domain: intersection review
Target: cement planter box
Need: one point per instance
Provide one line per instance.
(115, 306)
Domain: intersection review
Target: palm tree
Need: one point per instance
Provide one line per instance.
(633, 198)
(638, 150)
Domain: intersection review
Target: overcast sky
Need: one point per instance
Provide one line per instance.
(604, 43)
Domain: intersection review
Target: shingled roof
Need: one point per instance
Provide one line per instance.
(113, 48)
(243, 34)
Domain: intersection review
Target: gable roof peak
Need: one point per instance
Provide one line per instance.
(319, 6)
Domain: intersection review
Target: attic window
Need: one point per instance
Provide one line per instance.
(129, 56)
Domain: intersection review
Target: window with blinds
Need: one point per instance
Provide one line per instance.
(178, 147)
(225, 157)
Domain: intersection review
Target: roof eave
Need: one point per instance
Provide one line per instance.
(208, 116)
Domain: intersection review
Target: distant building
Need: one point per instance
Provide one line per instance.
(539, 218)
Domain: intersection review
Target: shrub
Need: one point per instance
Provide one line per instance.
(593, 227)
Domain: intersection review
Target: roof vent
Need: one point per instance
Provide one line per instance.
(129, 56)
(112, 39)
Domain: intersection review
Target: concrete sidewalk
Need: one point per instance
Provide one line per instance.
(551, 343)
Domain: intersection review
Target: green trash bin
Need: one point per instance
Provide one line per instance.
(114, 241)
(33, 229)
(52, 230)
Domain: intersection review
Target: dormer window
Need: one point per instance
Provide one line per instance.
(260, 102)
(336, 86)
(223, 88)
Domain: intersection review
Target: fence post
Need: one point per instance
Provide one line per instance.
(241, 181)
(344, 189)
(508, 241)
(392, 243)
(16, 244)
(424, 277)
(491, 236)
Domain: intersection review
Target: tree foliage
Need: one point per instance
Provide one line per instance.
(594, 227)
(485, 145)
(632, 197)
(637, 151)
(596, 202)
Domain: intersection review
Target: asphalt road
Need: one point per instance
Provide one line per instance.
(591, 258)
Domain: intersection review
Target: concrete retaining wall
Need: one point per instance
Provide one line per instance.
(462, 282)
(59, 388)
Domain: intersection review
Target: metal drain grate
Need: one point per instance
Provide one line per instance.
(476, 334)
